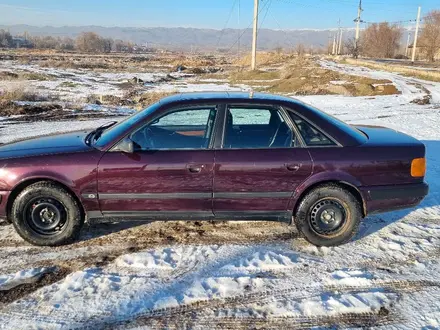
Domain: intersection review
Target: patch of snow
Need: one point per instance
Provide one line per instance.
(10, 281)
(338, 82)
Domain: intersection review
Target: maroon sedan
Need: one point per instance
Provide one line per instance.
(212, 156)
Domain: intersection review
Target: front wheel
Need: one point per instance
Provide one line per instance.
(46, 214)
(328, 215)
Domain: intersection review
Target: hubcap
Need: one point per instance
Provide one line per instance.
(327, 216)
(46, 216)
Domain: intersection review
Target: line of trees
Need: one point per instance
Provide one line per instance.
(430, 37)
(88, 42)
(383, 40)
(5, 39)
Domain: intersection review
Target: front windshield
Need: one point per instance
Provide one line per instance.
(120, 128)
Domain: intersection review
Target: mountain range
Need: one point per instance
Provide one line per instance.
(179, 38)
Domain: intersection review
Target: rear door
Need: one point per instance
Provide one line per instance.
(258, 164)
(170, 173)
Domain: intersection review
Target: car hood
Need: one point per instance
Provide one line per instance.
(50, 144)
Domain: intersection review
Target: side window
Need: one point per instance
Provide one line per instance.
(251, 117)
(183, 118)
(179, 129)
(247, 128)
(312, 137)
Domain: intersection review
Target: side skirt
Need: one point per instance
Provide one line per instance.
(280, 216)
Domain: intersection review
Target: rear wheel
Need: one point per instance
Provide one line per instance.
(329, 215)
(46, 214)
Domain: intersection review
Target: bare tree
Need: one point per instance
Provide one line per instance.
(5, 39)
(90, 42)
(430, 37)
(351, 49)
(381, 40)
(300, 50)
(279, 50)
(122, 46)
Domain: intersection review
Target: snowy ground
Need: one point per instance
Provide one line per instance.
(74, 85)
(242, 275)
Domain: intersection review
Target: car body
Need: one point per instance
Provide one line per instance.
(225, 156)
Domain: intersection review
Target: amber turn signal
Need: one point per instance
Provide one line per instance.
(418, 167)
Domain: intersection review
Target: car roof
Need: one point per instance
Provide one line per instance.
(225, 96)
(340, 131)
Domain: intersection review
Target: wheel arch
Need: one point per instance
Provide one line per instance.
(26, 183)
(343, 184)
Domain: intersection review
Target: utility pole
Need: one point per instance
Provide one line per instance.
(254, 37)
(416, 36)
(407, 44)
(358, 23)
(340, 43)
(329, 44)
(338, 38)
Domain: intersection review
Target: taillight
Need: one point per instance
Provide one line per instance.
(418, 167)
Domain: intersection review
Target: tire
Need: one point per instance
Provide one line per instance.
(329, 215)
(45, 214)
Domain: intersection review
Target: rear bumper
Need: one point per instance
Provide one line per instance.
(390, 198)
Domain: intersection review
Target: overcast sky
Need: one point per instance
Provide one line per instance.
(276, 14)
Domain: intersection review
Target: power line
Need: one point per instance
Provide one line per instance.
(265, 15)
(250, 24)
(227, 22)
(396, 22)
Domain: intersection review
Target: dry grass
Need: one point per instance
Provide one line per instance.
(132, 98)
(21, 93)
(146, 99)
(194, 61)
(245, 76)
(9, 76)
(9, 97)
(114, 62)
(266, 59)
(416, 73)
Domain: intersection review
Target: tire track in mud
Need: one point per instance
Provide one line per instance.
(197, 309)
(301, 322)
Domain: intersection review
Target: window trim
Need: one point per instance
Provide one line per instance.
(316, 127)
(275, 107)
(197, 106)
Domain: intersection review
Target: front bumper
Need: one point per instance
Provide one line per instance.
(381, 199)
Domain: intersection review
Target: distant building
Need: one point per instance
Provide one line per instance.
(420, 54)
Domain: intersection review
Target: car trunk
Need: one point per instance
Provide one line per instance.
(394, 152)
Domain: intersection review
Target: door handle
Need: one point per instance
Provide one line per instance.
(293, 167)
(195, 168)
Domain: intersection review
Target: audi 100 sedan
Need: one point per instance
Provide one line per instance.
(212, 156)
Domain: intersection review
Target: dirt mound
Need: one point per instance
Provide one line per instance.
(423, 100)
(7, 75)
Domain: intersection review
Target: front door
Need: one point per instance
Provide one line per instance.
(259, 165)
(170, 173)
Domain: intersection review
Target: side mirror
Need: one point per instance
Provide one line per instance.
(126, 146)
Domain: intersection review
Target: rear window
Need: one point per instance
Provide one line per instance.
(311, 136)
(353, 132)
